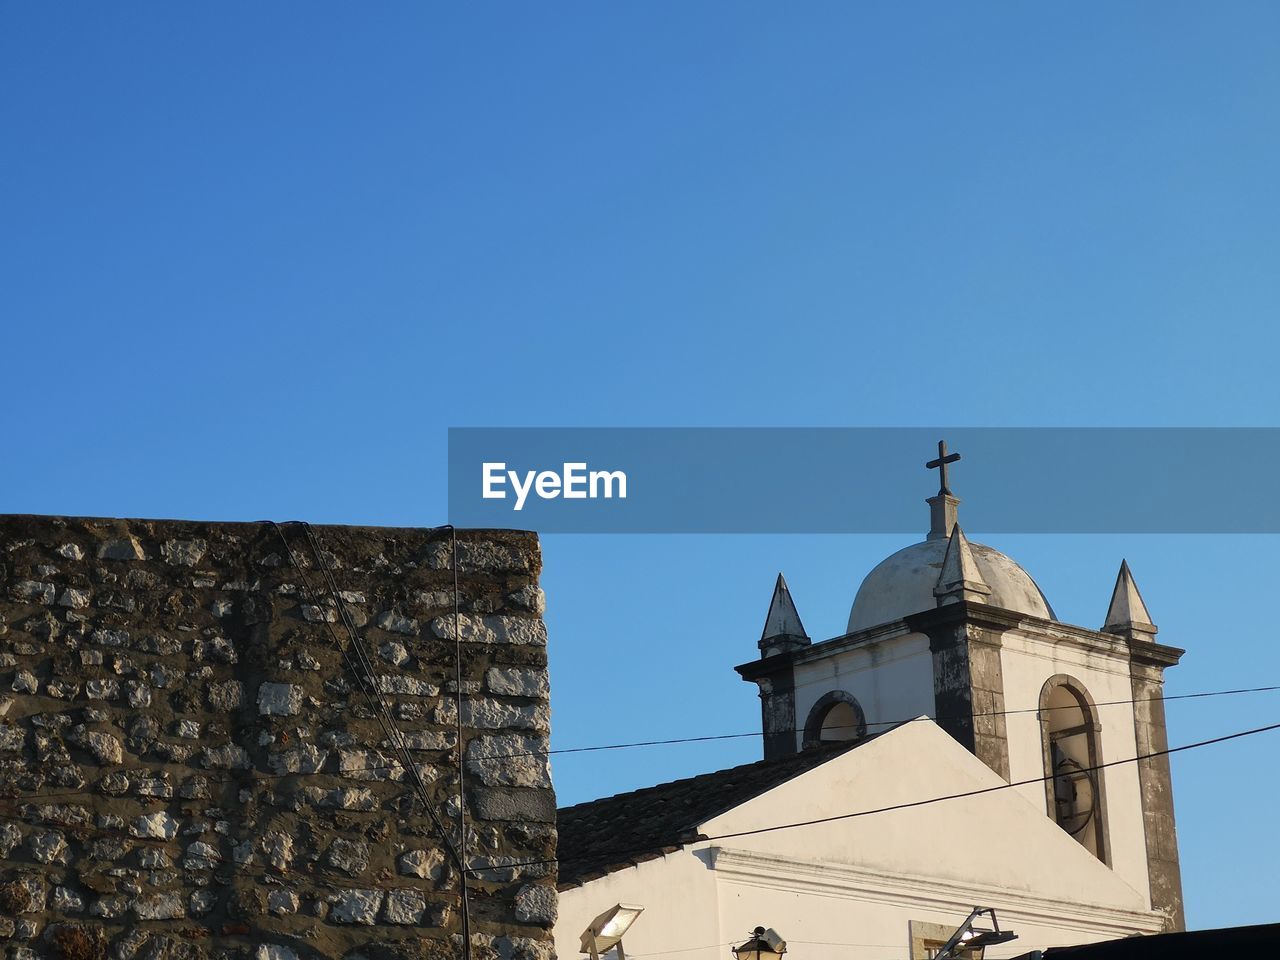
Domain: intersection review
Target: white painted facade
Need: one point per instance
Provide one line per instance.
(890, 674)
(1028, 660)
(942, 626)
(852, 888)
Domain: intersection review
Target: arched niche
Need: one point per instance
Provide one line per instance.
(835, 717)
(1071, 744)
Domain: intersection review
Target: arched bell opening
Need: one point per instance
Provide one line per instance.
(1071, 740)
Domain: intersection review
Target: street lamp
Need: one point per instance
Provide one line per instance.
(763, 945)
(606, 931)
(969, 937)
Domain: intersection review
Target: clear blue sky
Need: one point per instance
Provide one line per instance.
(256, 259)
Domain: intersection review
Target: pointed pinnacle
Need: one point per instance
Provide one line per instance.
(1127, 613)
(960, 578)
(783, 620)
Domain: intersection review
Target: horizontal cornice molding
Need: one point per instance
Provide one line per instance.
(827, 879)
(1152, 654)
(819, 651)
(1146, 653)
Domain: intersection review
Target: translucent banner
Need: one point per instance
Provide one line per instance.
(865, 480)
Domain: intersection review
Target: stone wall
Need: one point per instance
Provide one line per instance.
(189, 769)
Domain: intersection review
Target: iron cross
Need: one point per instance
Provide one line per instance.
(941, 464)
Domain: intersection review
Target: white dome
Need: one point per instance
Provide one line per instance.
(903, 584)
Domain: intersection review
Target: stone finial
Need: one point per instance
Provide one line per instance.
(1127, 615)
(942, 516)
(960, 578)
(942, 508)
(782, 627)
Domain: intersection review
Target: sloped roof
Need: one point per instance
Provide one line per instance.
(601, 836)
(1258, 941)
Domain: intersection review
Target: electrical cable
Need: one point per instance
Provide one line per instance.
(396, 766)
(364, 673)
(622, 852)
(365, 676)
(397, 736)
(75, 829)
(888, 723)
(457, 705)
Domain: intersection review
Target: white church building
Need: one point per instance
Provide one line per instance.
(1048, 821)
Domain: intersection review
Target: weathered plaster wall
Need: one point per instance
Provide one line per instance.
(188, 768)
(1156, 786)
(892, 680)
(681, 908)
(1029, 660)
(850, 888)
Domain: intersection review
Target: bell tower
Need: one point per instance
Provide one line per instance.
(957, 632)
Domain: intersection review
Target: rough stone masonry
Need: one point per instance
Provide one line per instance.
(189, 768)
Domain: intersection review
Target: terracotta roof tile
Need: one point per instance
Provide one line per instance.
(601, 836)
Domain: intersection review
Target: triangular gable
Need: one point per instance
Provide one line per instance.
(1002, 838)
(600, 836)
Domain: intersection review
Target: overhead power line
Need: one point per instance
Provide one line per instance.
(907, 805)
(364, 673)
(84, 830)
(707, 738)
(395, 766)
